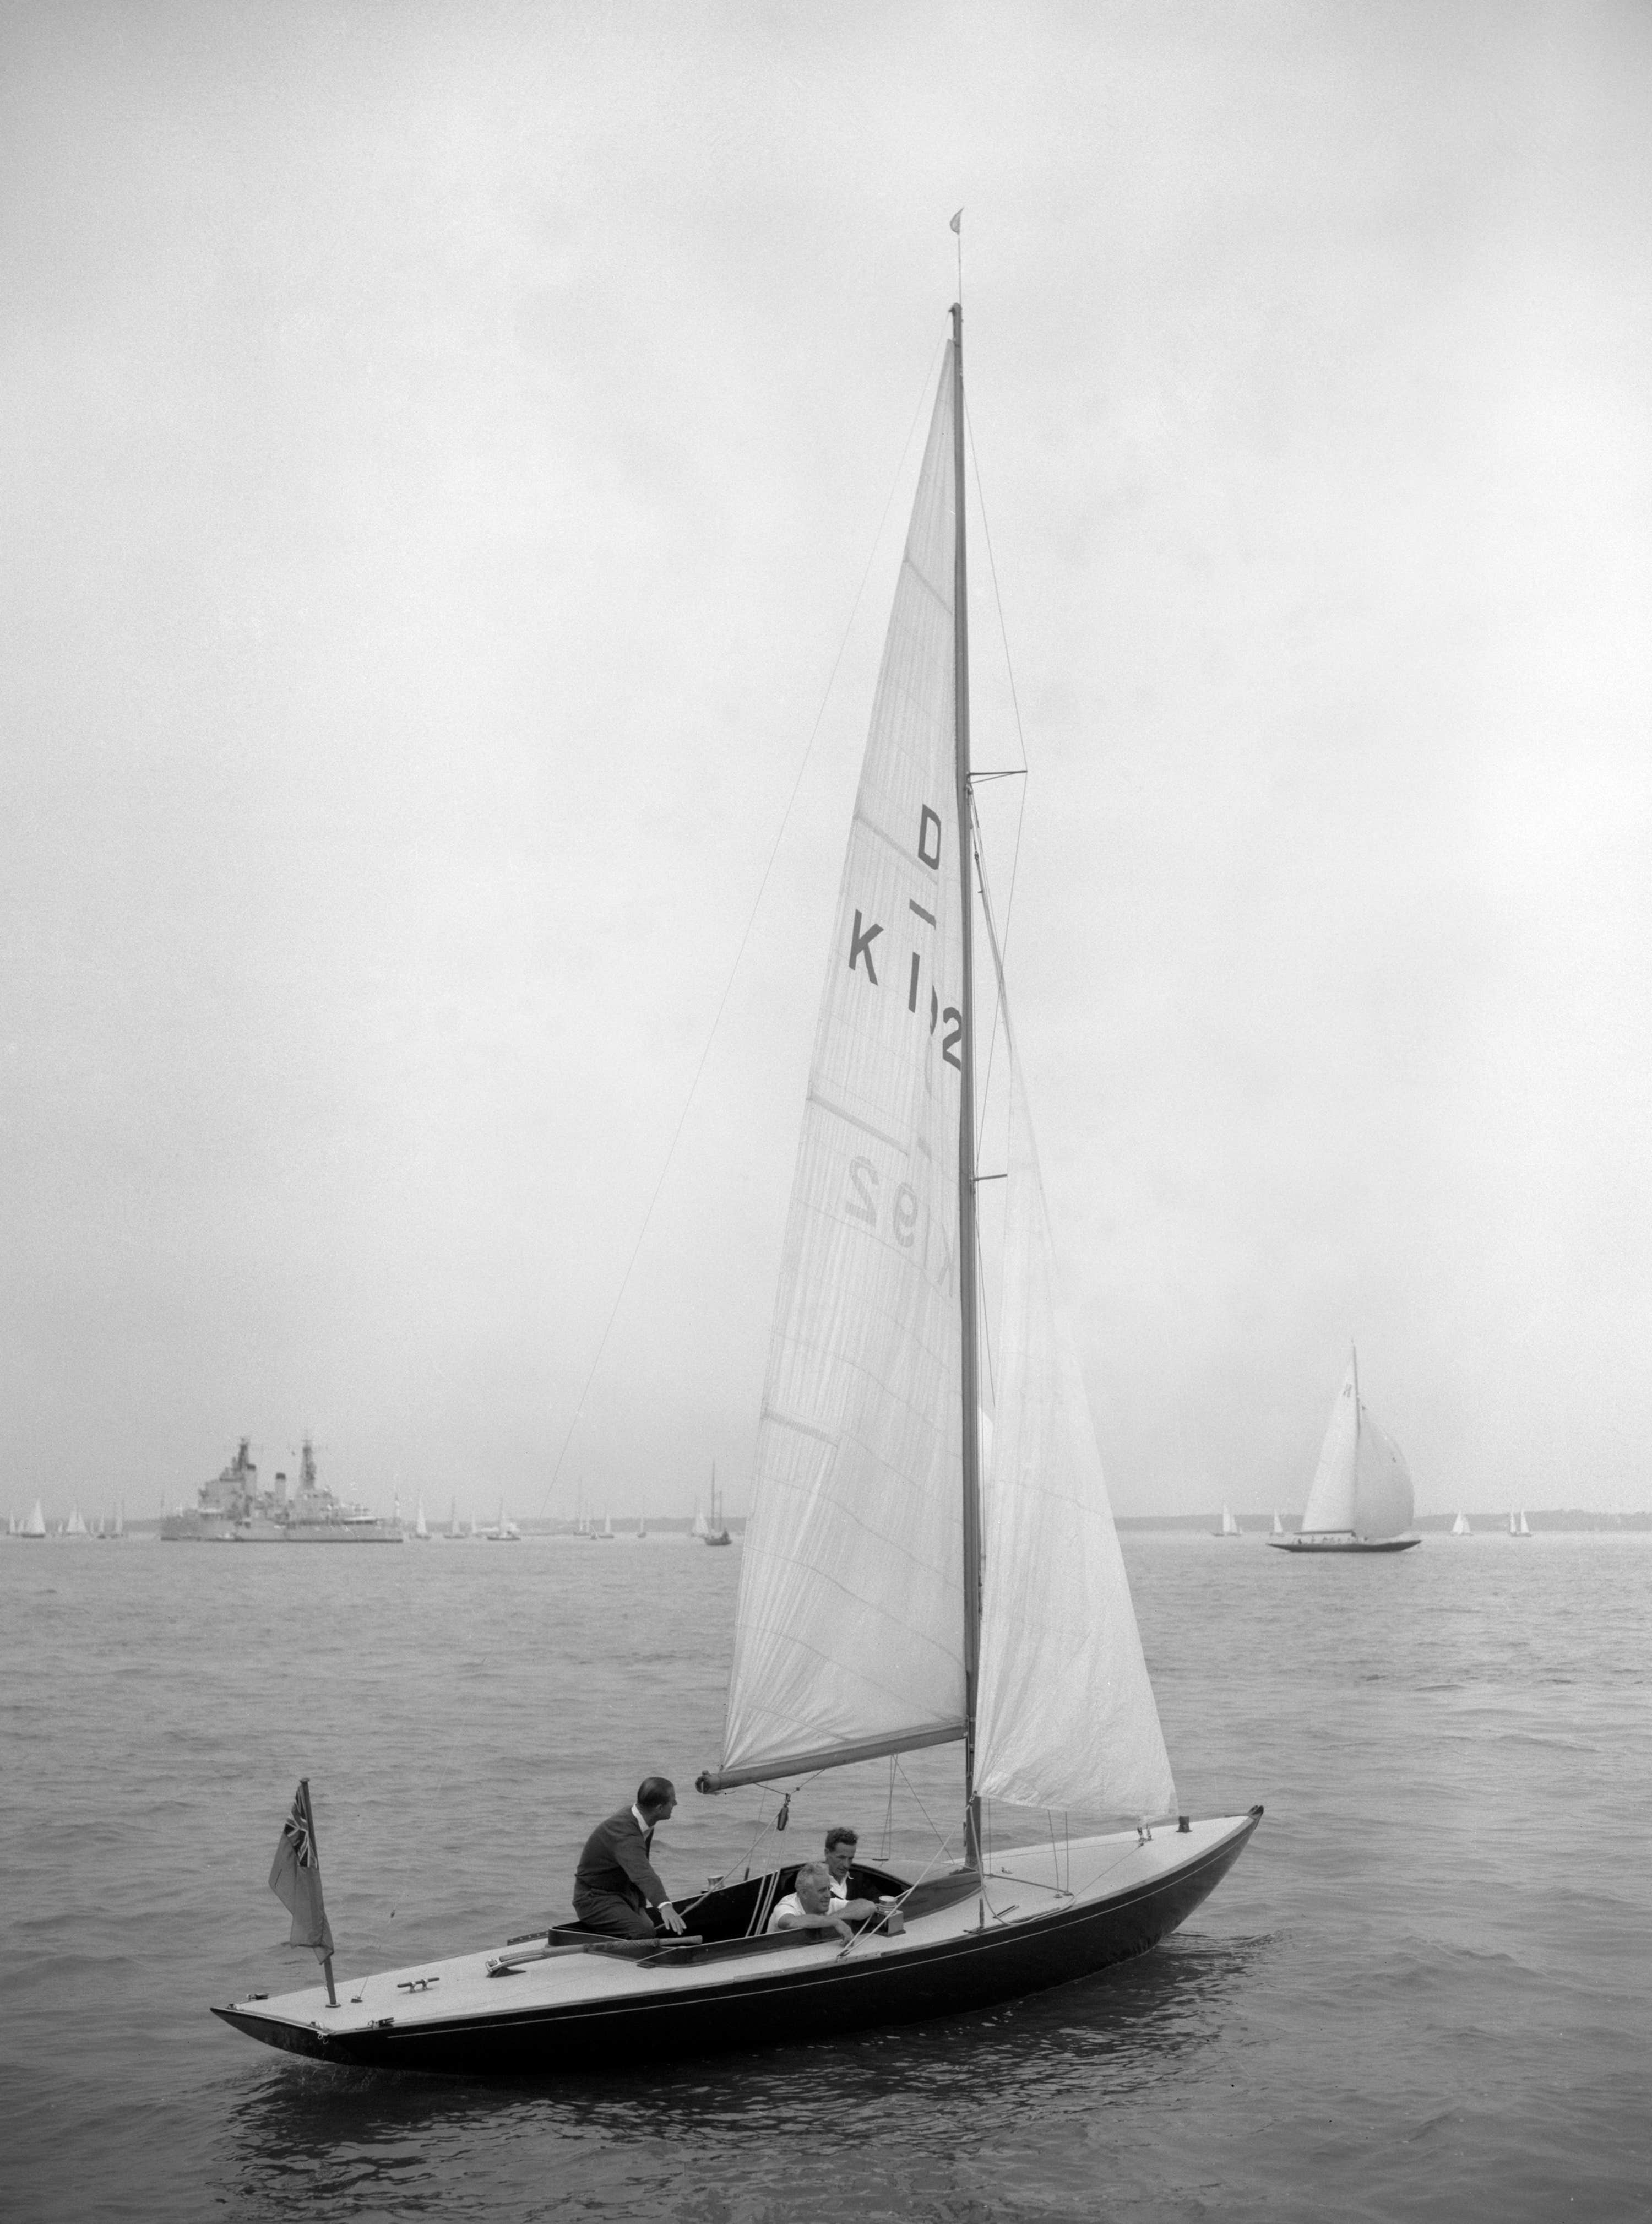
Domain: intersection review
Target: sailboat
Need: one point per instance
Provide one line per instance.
(1459, 1527)
(75, 1525)
(1227, 1526)
(1361, 1501)
(453, 1528)
(895, 1591)
(36, 1524)
(718, 1532)
(642, 1530)
(420, 1529)
(605, 1534)
(697, 1529)
(1518, 1525)
(1278, 1529)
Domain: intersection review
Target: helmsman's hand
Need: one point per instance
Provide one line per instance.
(672, 1920)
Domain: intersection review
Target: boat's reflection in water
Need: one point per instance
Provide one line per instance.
(922, 2097)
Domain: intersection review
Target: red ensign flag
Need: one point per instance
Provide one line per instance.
(295, 1879)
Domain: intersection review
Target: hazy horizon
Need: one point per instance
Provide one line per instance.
(443, 452)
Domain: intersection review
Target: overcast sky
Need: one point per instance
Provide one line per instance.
(442, 448)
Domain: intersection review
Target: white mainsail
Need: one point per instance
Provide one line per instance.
(1066, 1717)
(1362, 1486)
(36, 1524)
(849, 1637)
(1460, 1527)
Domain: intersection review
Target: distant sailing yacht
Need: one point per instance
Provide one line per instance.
(605, 1534)
(1227, 1526)
(420, 1529)
(1518, 1525)
(718, 1532)
(36, 1524)
(1361, 1501)
(453, 1528)
(1459, 1527)
(1278, 1529)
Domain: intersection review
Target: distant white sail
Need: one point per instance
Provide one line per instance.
(75, 1526)
(1230, 1527)
(1066, 1714)
(849, 1628)
(420, 1530)
(1459, 1527)
(1362, 1486)
(1278, 1529)
(36, 1524)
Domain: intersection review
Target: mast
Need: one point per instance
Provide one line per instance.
(965, 1114)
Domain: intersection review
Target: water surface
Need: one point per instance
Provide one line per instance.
(1422, 1993)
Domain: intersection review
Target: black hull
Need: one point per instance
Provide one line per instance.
(1344, 1545)
(810, 1999)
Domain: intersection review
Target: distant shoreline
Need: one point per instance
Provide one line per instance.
(1427, 1525)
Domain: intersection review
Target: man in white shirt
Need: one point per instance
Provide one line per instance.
(808, 1905)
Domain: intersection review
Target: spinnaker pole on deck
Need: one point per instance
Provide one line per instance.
(966, 1298)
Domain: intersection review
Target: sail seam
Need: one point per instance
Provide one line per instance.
(855, 1120)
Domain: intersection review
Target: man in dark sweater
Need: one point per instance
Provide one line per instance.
(615, 1884)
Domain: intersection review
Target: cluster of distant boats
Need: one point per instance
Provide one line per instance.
(1229, 1526)
(98, 1532)
(234, 1508)
(1361, 1501)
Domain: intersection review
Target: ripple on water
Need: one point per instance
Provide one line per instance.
(1420, 1995)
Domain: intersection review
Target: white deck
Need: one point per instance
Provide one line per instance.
(1022, 1882)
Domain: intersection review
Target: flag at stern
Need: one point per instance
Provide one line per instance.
(295, 1879)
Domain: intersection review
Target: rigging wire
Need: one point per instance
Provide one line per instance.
(769, 869)
(746, 935)
(1021, 743)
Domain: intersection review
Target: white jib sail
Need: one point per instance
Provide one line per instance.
(1329, 1511)
(1362, 1486)
(1066, 1718)
(850, 1625)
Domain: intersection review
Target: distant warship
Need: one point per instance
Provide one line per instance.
(233, 1510)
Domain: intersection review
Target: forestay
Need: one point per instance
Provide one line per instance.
(849, 1630)
(1066, 1715)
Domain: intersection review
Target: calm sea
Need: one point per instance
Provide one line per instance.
(1426, 1992)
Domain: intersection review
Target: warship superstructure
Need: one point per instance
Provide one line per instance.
(233, 1510)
